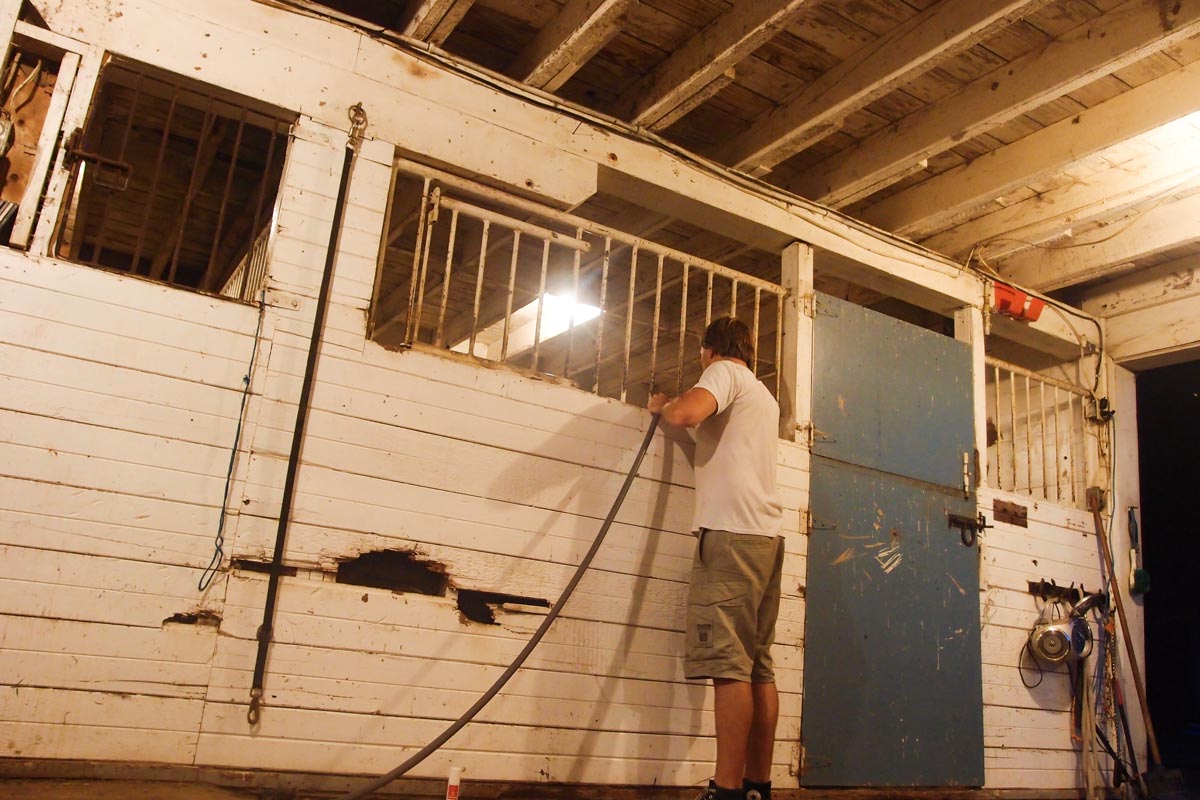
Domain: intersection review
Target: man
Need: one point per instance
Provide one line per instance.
(733, 597)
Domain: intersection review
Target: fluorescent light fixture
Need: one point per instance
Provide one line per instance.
(558, 311)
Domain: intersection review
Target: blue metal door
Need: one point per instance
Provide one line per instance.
(892, 665)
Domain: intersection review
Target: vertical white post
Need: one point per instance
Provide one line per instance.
(74, 116)
(795, 393)
(9, 11)
(968, 327)
(1123, 386)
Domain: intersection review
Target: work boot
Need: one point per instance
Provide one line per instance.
(755, 790)
(714, 792)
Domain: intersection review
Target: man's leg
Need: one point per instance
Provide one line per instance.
(735, 713)
(761, 746)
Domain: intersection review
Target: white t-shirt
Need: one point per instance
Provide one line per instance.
(736, 454)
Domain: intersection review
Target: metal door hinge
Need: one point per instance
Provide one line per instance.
(807, 304)
(796, 764)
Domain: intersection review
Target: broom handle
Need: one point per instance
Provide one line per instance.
(1094, 500)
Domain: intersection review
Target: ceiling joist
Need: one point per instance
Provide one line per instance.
(576, 34)
(912, 48)
(730, 38)
(1161, 228)
(940, 201)
(1110, 42)
(433, 20)
(1106, 194)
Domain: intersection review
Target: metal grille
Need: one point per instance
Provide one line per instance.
(1037, 434)
(474, 270)
(173, 181)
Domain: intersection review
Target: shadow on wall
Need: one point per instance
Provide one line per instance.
(578, 471)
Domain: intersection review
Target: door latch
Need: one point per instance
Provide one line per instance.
(110, 173)
(968, 527)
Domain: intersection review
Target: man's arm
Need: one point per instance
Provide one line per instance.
(686, 411)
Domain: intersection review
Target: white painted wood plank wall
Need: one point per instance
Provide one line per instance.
(117, 414)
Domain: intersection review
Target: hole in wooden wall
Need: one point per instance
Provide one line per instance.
(264, 567)
(398, 570)
(479, 606)
(201, 616)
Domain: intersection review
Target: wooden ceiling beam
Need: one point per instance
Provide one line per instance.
(1160, 229)
(938, 202)
(433, 20)
(576, 34)
(1118, 38)
(1103, 195)
(727, 40)
(912, 48)
(695, 101)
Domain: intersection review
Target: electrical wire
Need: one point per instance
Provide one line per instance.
(1165, 195)
(1061, 309)
(483, 700)
(34, 74)
(219, 540)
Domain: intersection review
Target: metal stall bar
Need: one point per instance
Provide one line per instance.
(683, 308)
(483, 243)
(633, 257)
(658, 285)
(603, 311)
(541, 301)
(508, 303)
(446, 275)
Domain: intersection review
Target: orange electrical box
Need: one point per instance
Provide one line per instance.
(1012, 302)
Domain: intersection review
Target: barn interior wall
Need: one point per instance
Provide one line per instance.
(122, 398)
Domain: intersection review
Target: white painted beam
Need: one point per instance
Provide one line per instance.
(9, 11)
(576, 34)
(1018, 227)
(1146, 288)
(969, 329)
(795, 393)
(937, 202)
(1156, 336)
(1159, 229)
(434, 20)
(910, 49)
(727, 40)
(1110, 42)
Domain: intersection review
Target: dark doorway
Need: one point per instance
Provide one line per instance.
(1168, 402)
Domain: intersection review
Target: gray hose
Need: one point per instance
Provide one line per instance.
(483, 700)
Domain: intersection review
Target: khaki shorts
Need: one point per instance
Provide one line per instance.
(733, 602)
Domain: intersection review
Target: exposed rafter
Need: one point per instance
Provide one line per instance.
(576, 34)
(1118, 38)
(1103, 195)
(433, 20)
(727, 40)
(910, 49)
(936, 203)
(1160, 229)
(699, 98)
